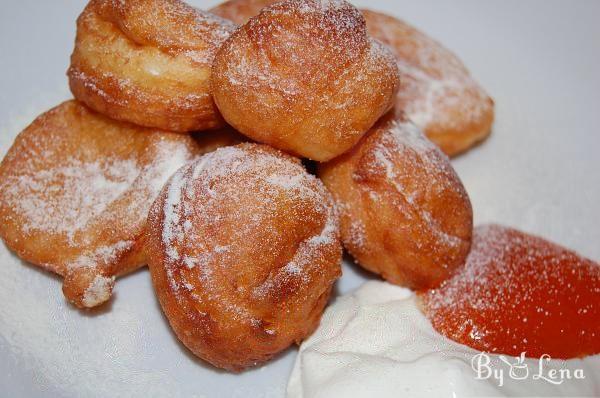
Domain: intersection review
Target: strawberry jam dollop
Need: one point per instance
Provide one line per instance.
(519, 293)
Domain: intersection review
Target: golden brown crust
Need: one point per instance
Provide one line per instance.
(243, 248)
(304, 77)
(148, 62)
(437, 93)
(75, 189)
(404, 213)
(240, 11)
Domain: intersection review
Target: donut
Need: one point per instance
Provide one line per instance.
(404, 213)
(240, 11)
(519, 293)
(243, 249)
(304, 77)
(75, 190)
(437, 93)
(148, 62)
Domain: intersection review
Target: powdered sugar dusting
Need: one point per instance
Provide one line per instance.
(334, 27)
(436, 86)
(173, 26)
(172, 231)
(64, 199)
(66, 184)
(286, 182)
(401, 139)
(102, 255)
(99, 291)
(273, 68)
(406, 133)
(322, 5)
(168, 158)
(194, 201)
(95, 83)
(239, 11)
(357, 235)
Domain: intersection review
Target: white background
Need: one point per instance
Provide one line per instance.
(540, 171)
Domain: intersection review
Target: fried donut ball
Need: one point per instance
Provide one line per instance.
(404, 212)
(437, 93)
(304, 77)
(148, 62)
(243, 248)
(75, 190)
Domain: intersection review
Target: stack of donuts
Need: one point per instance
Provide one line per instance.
(186, 148)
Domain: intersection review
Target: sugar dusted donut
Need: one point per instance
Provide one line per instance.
(75, 190)
(520, 293)
(304, 77)
(404, 212)
(437, 93)
(148, 62)
(243, 249)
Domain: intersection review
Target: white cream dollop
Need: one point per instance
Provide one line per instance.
(375, 342)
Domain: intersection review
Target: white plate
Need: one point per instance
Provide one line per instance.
(540, 171)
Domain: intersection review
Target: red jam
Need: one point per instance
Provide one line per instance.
(519, 293)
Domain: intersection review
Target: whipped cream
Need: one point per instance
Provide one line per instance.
(376, 342)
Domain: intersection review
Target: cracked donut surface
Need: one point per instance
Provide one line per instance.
(404, 213)
(304, 77)
(148, 62)
(243, 248)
